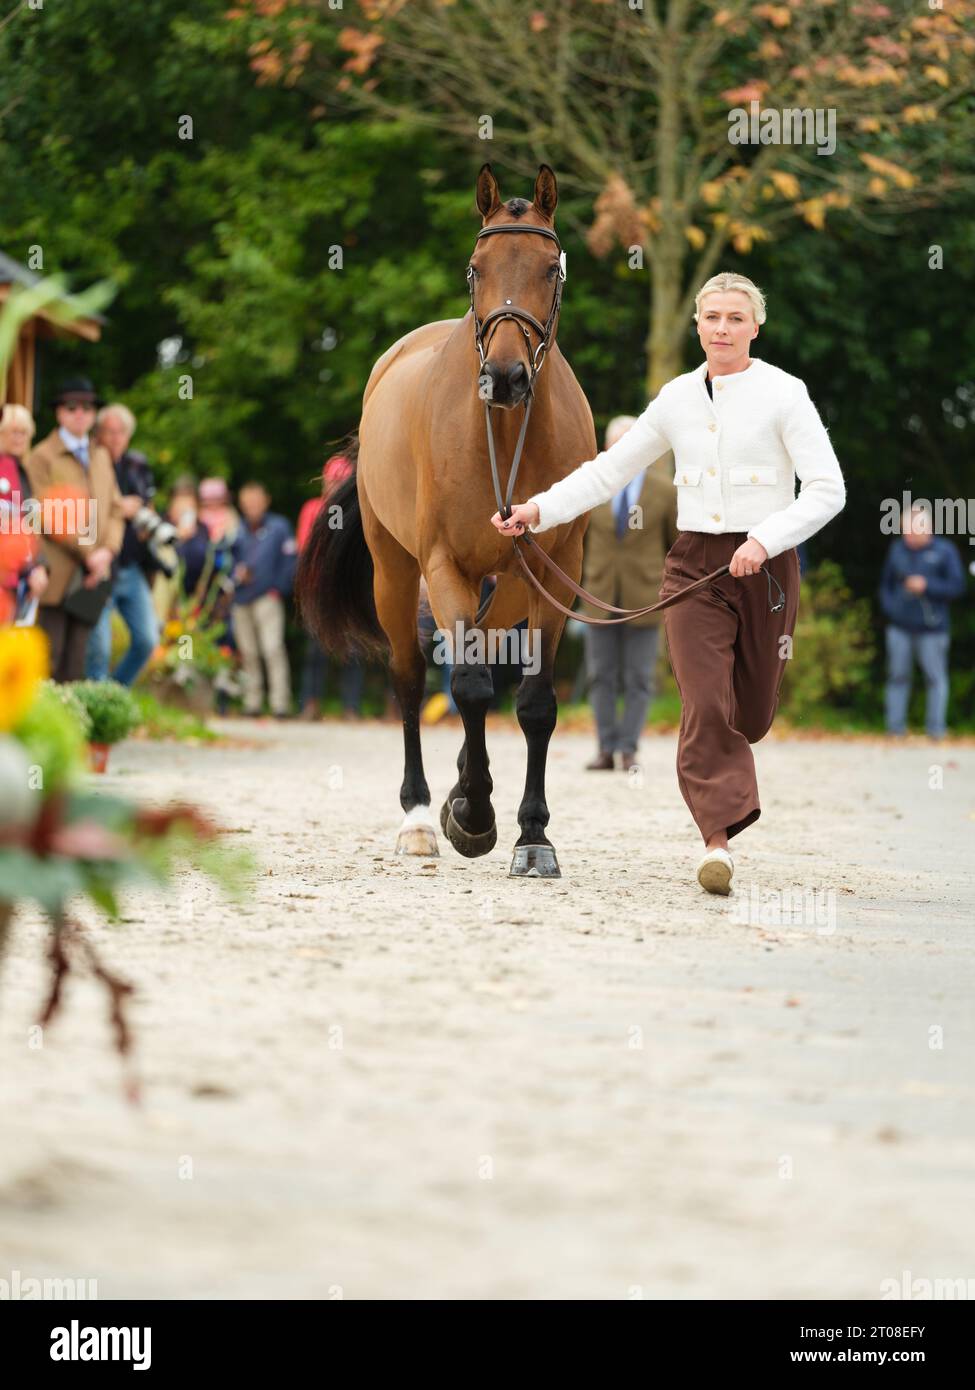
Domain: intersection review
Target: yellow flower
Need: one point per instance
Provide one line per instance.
(23, 665)
(173, 629)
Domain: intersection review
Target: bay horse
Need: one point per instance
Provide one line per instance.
(420, 502)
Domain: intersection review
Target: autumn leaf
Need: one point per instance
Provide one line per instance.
(777, 15)
(751, 91)
(786, 183)
(902, 177)
(918, 115)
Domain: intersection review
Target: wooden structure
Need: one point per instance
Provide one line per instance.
(20, 385)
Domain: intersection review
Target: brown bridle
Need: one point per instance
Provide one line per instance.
(537, 358)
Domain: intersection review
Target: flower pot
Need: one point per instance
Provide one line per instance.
(195, 697)
(98, 756)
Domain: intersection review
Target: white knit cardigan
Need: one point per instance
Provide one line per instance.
(736, 459)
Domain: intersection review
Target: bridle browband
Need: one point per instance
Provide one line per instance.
(537, 358)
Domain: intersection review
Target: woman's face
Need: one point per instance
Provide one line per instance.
(14, 439)
(726, 325)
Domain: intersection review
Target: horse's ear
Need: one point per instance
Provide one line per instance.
(488, 195)
(546, 192)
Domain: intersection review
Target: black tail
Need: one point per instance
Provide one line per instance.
(333, 585)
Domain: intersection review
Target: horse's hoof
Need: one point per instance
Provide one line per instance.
(534, 861)
(444, 813)
(419, 839)
(470, 845)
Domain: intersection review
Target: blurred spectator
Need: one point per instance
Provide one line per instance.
(217, 511)
(79, 558)
(26, 578)
(922, 574)
(265, 553)
(624, 565)
(314, 672)
(131, 593)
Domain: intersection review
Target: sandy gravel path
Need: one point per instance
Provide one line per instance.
(404, 1078)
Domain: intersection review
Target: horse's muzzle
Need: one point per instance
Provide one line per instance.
(504, 386)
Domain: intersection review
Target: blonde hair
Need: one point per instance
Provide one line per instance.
(728, 280)
(617, 427)
(17, 415)
(122, 411)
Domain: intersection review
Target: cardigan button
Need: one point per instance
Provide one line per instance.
(712, 426)
(715, 516)
(754, 477)
(711, 472)
(717, 386)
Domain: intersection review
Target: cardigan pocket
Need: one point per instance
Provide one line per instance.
(688, 477)
(759, 474)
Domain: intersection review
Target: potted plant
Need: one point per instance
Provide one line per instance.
(112, 713)
(193, 662)
(60, 842)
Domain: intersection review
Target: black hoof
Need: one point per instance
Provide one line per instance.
(470, 845)
(534, 861)
(444, 813)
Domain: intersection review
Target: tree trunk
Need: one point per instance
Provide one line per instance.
(668, 246)
(664, 357)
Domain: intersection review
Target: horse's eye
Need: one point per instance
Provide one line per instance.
(553, 270)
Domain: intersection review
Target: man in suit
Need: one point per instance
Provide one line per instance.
(88, 534)
(627, 540)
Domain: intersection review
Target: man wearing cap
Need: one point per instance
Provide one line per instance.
(68, 458)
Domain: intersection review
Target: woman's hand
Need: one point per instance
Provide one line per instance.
(748, 559)
(523, 514)
(37, 581)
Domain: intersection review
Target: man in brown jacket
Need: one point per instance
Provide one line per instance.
(626, 544)
(84, 537)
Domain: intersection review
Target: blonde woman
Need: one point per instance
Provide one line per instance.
(742, 431)
(17, 429)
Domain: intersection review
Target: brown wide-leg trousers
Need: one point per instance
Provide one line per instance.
(728, 659)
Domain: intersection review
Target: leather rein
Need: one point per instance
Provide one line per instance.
(525, 320)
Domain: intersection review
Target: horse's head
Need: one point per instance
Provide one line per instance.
(515, 278)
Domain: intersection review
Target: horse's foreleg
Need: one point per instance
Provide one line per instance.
(468, 816)
(396, 586)
(537, 707)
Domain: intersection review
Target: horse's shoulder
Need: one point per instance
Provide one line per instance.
(427, 336)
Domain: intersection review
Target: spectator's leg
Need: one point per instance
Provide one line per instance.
(99, 653)
(897, 694)
(602, 664)
(269, 620)
(245, 634)
(313, 675)
(639, 665)
(351, 684)
(53, 622)
(76, 638)
(932, 656)
(133, 597)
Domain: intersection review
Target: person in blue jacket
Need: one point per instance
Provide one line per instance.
(922, 574)
(265, 555)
